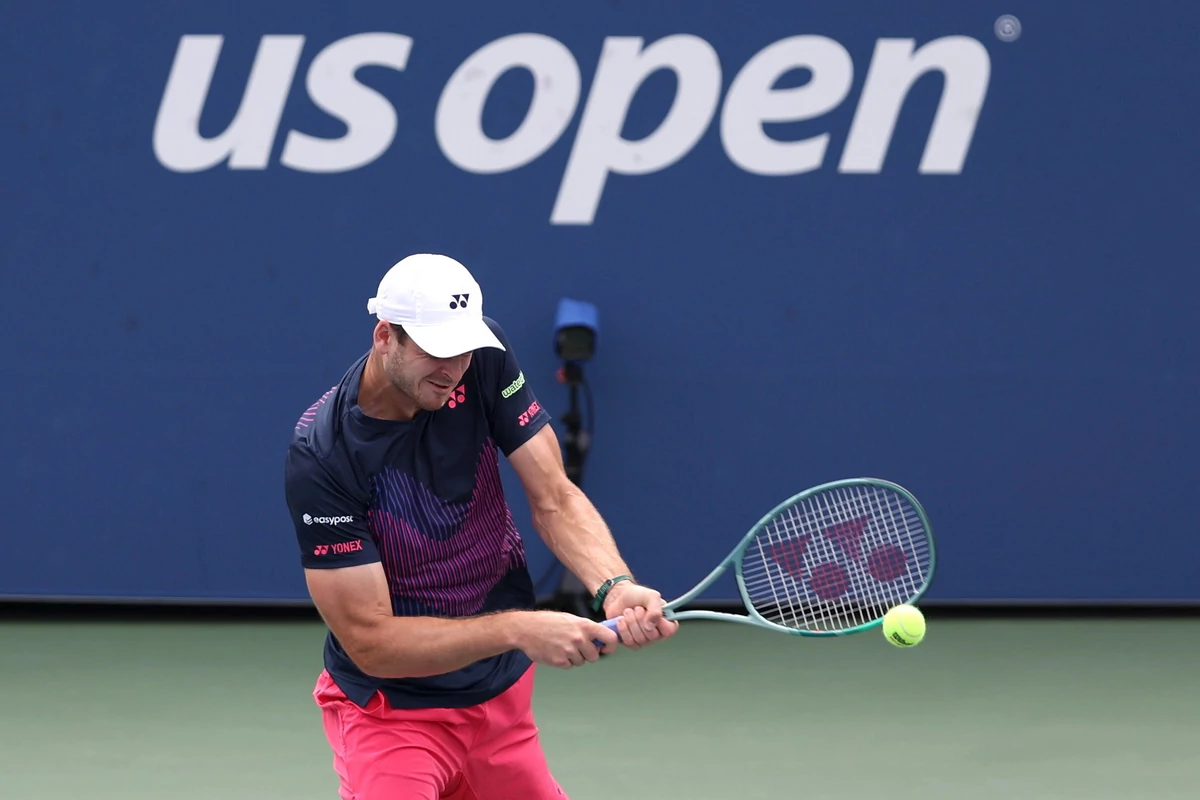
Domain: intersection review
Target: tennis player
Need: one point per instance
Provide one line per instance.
(412, 558)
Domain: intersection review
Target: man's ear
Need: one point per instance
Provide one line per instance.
(381, 337)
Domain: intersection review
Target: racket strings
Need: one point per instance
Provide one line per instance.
(837, 560)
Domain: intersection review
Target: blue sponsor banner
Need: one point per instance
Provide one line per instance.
(951, 247)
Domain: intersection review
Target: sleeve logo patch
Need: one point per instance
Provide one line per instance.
(334, 521)
(340, 548)
(529, 414)
(514, 387)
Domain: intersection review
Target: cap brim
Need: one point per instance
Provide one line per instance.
(453, 339)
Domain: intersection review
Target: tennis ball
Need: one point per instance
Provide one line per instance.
(904, 626)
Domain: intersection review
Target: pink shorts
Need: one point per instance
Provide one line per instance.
(485, 752)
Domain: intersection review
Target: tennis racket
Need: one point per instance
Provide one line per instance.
(829, 561)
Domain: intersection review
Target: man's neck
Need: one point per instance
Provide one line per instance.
(378, 398)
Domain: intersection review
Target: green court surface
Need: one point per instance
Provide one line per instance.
(1083, 709)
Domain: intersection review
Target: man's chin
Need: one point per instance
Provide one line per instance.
(434, 403)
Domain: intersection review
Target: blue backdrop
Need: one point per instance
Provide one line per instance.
(825, 241)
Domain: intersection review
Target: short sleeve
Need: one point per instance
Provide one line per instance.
(330, 521)
(514, 413)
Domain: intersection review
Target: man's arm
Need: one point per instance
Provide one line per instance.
(576, 533)
(563, 515)
(354, 603)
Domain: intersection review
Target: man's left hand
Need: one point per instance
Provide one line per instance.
(640, 612)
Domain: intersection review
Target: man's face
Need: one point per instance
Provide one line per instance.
(425, 380)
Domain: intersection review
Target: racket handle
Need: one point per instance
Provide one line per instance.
(611, 624)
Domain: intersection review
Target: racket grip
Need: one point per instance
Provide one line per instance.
(611, 624)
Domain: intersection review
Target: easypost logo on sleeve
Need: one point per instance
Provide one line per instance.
(334, 521)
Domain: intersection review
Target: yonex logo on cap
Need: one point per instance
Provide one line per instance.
(335, 521)
(459, 301)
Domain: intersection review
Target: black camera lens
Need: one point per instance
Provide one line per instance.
(576, 343)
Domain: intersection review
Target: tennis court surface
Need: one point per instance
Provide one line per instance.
(1059, 709)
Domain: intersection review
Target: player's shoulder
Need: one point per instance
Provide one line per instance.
(321, 428)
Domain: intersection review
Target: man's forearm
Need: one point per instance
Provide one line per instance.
(417, 647)
(578, 536)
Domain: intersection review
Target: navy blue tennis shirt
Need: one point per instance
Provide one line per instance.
(424, 497)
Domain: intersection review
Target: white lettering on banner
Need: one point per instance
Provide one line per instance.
(751, 101)
(599, 149)
(370, 119)
(965, 65)
(459, 119)
(247, 142)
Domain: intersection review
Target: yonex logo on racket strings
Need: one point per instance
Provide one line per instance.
(335, 521)
(802, 559)
(790, 554)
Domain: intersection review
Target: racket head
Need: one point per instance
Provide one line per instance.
(833, 559)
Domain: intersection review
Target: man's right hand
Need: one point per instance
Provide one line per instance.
(560, 640)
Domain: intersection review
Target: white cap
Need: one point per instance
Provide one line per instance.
(438, 302)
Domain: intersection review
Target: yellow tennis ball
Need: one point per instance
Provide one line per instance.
(904, 626)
